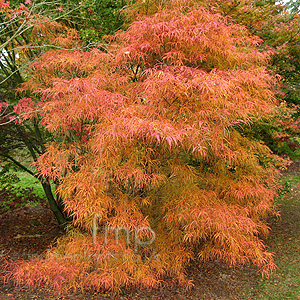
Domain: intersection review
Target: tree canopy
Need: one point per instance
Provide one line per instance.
(147, 146)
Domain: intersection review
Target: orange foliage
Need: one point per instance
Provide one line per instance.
(146, 137)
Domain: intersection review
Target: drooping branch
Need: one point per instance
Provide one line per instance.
(17, 163)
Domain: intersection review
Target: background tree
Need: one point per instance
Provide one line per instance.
(147, 136)
(293, 6)
(97, 19)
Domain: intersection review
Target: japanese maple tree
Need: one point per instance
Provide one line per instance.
(146, 137)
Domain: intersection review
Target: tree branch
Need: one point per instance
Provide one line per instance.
(19, 165)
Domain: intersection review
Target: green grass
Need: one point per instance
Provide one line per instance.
(296, 179)
(285, 242)
(26, 180)
(18, 189)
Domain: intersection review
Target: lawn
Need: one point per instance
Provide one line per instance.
(284, 240)
(26, 180)
(18, 189)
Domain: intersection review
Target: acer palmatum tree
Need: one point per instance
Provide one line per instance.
(147, 138)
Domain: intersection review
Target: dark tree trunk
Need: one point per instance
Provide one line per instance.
(55, 207)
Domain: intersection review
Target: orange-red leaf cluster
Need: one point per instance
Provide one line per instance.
(147, 136)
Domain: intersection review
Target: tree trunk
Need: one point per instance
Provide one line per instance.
(54, 206)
